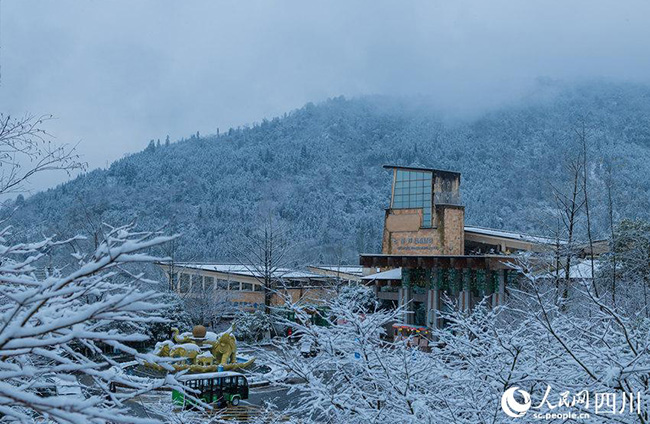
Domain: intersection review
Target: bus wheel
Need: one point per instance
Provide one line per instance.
(235, 401)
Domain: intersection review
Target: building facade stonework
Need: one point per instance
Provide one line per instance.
(425, 216)
(424, 260)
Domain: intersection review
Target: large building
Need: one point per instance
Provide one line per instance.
(345, 273)
(429, 255)
(243, 285)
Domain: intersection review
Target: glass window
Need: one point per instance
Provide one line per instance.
(258, 287)
(234, 285)
(413, 191)
(208, 283)
(184, 284)
(222, 285)
(247, 286)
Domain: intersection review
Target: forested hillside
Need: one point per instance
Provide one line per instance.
(319, 170)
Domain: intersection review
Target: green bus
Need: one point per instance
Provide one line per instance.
(220, 388)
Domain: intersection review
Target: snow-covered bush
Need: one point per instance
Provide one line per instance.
(252, 326)
(534, 342)
(57, 318)
(358, 294)
(356, 376)
(55, 324)
(174, 314)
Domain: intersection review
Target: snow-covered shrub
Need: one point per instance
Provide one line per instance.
(358, 294)
(252, 326)
(174, 314)
(55, 324)
(534, 342)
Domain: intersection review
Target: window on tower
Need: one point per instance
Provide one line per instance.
(413, 191)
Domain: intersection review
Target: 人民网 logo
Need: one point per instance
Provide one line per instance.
(511, 406)
(568, 405)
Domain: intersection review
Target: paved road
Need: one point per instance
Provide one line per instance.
(277, 395)
(253, 407)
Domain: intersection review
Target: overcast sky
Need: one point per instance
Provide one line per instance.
(119, 73)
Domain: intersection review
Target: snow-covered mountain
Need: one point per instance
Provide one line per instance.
(319, 169)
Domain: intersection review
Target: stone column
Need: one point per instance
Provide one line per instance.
(468, 291)
(404, 296)
(501, 300)
(464, 296)
(433, 300)
(489, 290)
(457, 284)
(410, 317)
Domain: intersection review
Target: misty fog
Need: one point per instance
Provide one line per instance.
(117, 74)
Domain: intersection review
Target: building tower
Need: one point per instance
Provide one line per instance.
(425, 216)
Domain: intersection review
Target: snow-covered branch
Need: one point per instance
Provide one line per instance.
(54, 326)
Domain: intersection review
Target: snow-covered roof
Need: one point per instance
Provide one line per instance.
(391, 274)
(347, 269)
(246, 270)
(511, 235)
(581, 270)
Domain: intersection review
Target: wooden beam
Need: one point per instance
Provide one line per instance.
(490, 262)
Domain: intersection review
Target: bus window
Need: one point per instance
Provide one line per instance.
(230, 389)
